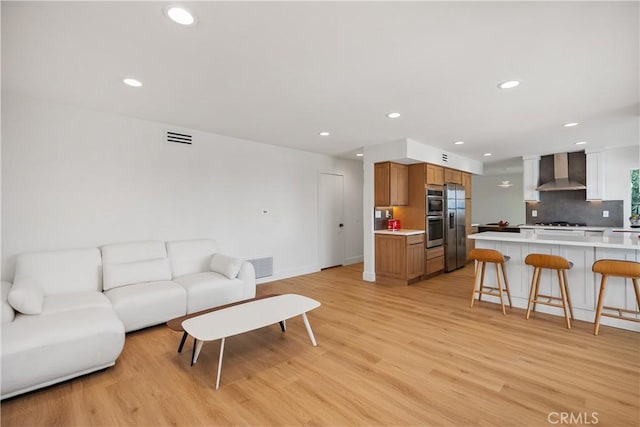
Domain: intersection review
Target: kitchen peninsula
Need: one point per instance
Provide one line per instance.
(584, 285)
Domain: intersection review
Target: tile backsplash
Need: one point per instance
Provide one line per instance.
(571, 206)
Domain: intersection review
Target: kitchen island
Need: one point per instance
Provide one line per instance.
(584, 285)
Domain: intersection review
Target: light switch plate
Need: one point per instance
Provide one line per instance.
(605, 214)
(534, 213)
(378, 214)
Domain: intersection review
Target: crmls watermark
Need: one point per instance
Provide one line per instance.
(575, 418)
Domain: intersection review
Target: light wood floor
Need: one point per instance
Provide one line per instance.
(414, 355)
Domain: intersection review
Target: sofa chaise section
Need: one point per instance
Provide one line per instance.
(67, 328)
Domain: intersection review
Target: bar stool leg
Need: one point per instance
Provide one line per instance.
(603, 284)
(563, 292)
(635, 288)
(500, 288)
(475, 283)
(535, 296)
(506, 282)
(532, 290)
(484, 266)
(566, 287)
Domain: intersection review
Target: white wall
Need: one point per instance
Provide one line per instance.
(618, 163)
(491, 203)
(78, 178)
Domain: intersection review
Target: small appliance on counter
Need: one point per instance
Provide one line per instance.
(393, 224)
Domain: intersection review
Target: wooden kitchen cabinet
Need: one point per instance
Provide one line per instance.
(391, 182)
(466, 183)
(435, 175)
(452, 175)
(434, 260)
(399, 258)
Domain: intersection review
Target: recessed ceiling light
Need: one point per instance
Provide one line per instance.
(581, 143)
(324, 134)
(393, 115)
(359, 154)
(486, 154)
(459, 142)
(570, 125)
(132, 82)
(509, 84)
(180, 15)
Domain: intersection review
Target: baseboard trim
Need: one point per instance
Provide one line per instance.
(354, 260)
(285, 274)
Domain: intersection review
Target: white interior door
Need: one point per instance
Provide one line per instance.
(331, 218)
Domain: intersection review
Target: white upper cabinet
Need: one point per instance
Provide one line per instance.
(595, 175)
(531, 166)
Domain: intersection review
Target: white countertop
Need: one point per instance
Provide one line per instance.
(401, 232)
(617, 241)
(552, 227)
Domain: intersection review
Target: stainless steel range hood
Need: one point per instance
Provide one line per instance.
(561, 181)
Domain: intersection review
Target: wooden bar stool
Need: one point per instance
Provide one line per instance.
(610, 267)
(551, 262)
(483, 256)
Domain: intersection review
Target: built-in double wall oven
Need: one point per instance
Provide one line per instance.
(434, 217)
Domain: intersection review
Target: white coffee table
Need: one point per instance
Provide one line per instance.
(247, 317)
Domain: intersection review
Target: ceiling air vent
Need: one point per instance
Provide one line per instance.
(178, 138)
(445, 158)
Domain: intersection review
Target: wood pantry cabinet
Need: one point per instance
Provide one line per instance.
(399, 258)
(391, 184)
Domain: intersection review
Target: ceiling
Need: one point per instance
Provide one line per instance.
(280, 73)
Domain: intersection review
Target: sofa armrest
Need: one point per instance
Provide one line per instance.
(8, 313)
(248, 275)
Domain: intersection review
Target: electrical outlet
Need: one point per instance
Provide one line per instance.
(534, 213)
(605, 214)
(378, 214)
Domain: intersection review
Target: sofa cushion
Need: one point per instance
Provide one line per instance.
(129, 273)
(75, 301)
(42, 350)
(64, 271)
(119, 253)
(205, 290)
(190, 256)
(148, 304)
(26, 295)
(8, 313)
(226, 265)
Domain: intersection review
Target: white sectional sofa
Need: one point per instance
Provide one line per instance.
(67, 311)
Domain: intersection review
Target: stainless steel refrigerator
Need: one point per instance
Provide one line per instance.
(455, 239)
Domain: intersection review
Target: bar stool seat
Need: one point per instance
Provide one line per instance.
(483, 256)
(610, 267)
(552, 262)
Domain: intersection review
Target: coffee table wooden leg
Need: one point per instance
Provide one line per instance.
(309, 331)
(283, 325)
(184, 338)
(197, 346)
(220, 363)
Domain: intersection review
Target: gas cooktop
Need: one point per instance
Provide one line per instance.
(562, 224)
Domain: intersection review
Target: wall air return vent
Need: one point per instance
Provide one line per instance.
(263, 266)
(178, 138)
(445, 158)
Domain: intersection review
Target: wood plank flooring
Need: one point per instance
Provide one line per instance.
(415, 355)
